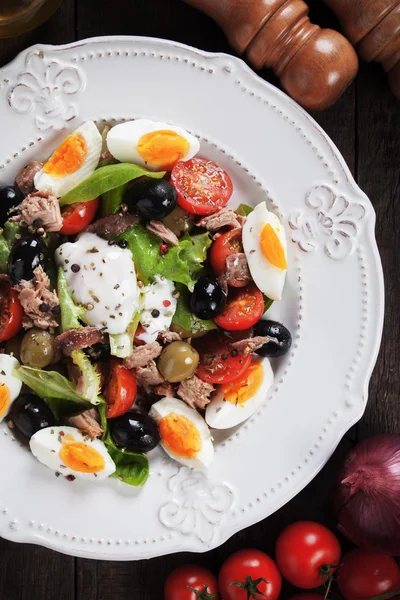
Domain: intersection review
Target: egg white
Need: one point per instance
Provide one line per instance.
(122, 141)
(152, 298)
(165, 407)
(46, 445)
(267, 277)
(62, 185)
(221, 414)
(7, 365)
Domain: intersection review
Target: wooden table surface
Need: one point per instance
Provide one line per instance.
(365, 125)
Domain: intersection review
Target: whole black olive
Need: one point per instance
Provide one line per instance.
(99, 352)
(10, 196)
(281, 339)
(208, 298)
(151, 198)
(30, 414)
(134, 431)
(26, 254)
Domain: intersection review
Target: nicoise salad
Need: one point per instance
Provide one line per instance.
(133, 302)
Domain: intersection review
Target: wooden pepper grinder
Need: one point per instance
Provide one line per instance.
(373, 26)
(315, 65)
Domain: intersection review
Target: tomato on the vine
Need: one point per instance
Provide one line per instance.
(307, 554)
(78, 216)
(191, 582)
(364, 575)
(249, 574)
(121, 390)
(11, 312)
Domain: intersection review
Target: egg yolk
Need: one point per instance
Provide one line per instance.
(180, 436)
(162, 148)
(4, 399)
(82, 458)
(239, 391)
(68, 158)
(272, 247)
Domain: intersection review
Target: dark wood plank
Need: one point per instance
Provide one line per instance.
(379, 176)
(29, 571)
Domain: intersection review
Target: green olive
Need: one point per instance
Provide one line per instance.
(178, 221)
(37, 348)
(178, 361)
(185, 333)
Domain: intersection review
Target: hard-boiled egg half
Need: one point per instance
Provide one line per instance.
(235, 402)
(154, 145)
(184, 433)
(74, 161)
(158, 308)
(264, 244)
(67, 451)
(10, 386)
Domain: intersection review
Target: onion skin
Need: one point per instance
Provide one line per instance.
(368, 495)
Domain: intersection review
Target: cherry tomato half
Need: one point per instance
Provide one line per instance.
(367, 574)
(244, 568)
(202, 186)
(219, 362)
(11, 312)
(78, 216)
(228, 243)
(304, 551)
(243, 309)
(121, 390)
(179, 582)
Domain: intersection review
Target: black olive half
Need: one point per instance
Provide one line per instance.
(26, 254)
(208, 298)
(10, 196)
(134, 431)
(281, 339)
(30, 414)
(151, 198)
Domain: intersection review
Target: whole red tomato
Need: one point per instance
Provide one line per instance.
(367, 574)
(191, 582)
(249, 574)
(307, 553)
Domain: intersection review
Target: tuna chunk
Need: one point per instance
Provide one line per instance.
(88, 422)
(168, 336)
(165, 389)
(149, 376)
(226, 217)
(164, 233)
(76, 339)
(142, 355)
(237, 270)
(195, 392)
(112, 225)
(25, 178)
(251, 344)
(40, 304)
(40, 209)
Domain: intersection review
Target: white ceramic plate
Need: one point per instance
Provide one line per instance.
(333, 301)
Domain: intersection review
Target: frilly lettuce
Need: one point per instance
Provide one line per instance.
(70, 312)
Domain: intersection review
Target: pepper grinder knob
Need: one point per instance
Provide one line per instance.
(315, 65)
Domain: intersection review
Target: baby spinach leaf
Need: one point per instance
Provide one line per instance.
(185, 319)
(105, 179)
(50, 384)
(112, 200)
(267, 302)
(244, 209)
(132, 468)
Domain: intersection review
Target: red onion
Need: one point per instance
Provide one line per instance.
(368, 496)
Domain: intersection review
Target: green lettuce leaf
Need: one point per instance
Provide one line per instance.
(267, 302)
(4, 252)
(50, 384)
(182, 263)
(7, 237)
(105, 179)
(185, 319)
(11, 229)
(244, 209)
(112, 200)
(70, 312)
(90, 376)
(121, 344)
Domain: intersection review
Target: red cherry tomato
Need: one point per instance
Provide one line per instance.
(78, 216)
(11, 312)
(244, 308)
(121, 390)
(306, 552)
(219, 362)
(367, 574)
(179, 582)
(228, 243)
(202, 186)
(245, 568)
